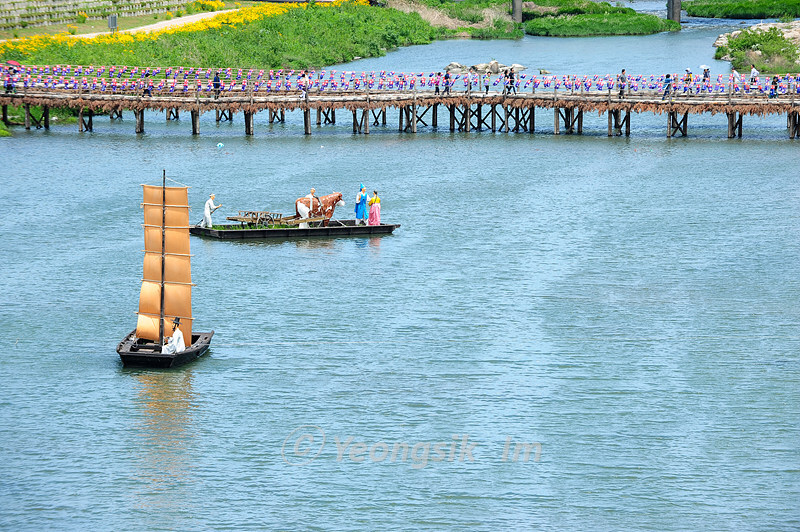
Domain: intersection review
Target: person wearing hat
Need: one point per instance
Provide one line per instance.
(361, 205)
(688, 78)
(622, 81)
(175, 343)
(208, 209)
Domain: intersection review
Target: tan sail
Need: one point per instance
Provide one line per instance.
(166, 215)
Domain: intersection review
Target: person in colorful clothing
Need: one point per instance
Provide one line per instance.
(374, 209)
(361, 205)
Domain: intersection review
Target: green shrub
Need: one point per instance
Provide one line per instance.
(769, 50)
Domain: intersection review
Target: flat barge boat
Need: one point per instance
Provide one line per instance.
(335, 228)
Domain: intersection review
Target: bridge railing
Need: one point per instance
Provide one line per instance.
(201, 81)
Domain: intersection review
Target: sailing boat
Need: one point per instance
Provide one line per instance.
(165, 300)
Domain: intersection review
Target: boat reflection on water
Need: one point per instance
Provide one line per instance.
(166, 434)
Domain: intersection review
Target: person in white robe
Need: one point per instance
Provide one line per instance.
(175, 343)
(208, 209)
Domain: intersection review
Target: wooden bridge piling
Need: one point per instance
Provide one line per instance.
(794, 124)
(27, 108)
(116, 114)
(195, 121)
(173, 114)
(307, 121)
(249, 122)
(46, 116)
(674, 125)
(85, 120)
(734, 125)
(138, 114)
(5, 114)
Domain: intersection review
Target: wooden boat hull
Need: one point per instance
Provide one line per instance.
(140, 353)
(337, 228)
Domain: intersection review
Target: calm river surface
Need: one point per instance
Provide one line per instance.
(631, 305)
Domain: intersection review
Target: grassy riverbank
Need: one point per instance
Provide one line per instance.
(769, 50)
(264, 36)
(580, 18)
(743, 8)
(560, 18)
(599, 24)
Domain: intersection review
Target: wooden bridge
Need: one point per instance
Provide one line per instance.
(415, 104)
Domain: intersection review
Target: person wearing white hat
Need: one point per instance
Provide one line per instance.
(208, 209)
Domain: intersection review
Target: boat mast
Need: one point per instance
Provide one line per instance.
(163, 228)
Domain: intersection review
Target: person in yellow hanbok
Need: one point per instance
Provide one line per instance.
(374, 209)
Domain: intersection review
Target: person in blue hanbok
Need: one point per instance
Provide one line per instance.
(361, 206)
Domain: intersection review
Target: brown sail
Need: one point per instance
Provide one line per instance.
(167, 275)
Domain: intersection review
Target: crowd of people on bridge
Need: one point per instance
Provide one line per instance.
(217, 82)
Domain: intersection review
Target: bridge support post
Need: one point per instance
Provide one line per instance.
(85, 122)
(674, 10)
(172, 114)
(195, 121)
(414, 116)
(467, 117)
(307, 121)
(507, 116)
(452, 109)
(494, 118)
(556, 121)
(249, 122)
(677, 126)
(734, 125)
(531, 119)
(516, 10)
(400, 119)
(319, 116)
(46, 116)
(5, 114)
(117, 115)
(139, 116)
(365, 120)
(435, 119)
(356, 124)
(794, 125)
(628, 123)
(27, 107)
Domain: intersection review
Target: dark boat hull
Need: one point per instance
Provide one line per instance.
(337, 228)
(138, 353)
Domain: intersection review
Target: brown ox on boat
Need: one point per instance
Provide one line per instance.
(323, 206)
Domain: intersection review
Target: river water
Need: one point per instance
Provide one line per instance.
(627, 307)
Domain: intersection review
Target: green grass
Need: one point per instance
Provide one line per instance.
(300, 38)
(778, 54)
(4, 132)
(743, 8)
(599, 24)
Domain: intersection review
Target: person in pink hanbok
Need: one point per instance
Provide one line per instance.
(374, 209)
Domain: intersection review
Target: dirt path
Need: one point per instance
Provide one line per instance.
(163, 25)
(158, 26)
